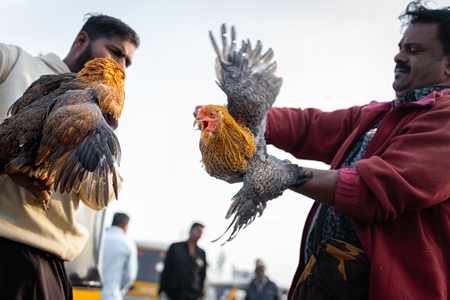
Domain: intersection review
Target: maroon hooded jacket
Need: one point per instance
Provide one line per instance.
(398, 195)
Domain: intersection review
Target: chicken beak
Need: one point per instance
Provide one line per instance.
(199, 124)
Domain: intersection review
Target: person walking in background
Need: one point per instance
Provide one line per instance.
(33, 244)
(120, 263)
(184, 270)
(261, 287)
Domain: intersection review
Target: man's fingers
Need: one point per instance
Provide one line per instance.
(42, 195)
(37, 187)
(45, 183)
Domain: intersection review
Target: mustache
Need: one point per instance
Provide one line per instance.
(403, 66)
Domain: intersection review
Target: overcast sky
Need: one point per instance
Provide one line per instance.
(331, 54)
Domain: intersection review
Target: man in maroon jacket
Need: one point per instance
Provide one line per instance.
(388, 187)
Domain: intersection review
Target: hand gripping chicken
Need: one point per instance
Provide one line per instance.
(61, 127)
(232, 136)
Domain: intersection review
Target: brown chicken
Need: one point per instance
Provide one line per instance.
(232, 140)
(63, 126)
(225, 144)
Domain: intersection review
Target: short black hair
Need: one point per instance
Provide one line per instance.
(99, 25)
(418, 12)
(120, 219)
(196, 224)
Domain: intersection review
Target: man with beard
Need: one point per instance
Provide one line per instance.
(34, 244)
(387, 194)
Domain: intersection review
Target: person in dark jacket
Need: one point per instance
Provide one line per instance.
(261, 287)
(184, 270)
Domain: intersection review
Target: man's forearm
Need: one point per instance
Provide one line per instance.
(321, 187)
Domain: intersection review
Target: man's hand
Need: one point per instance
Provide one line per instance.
(39, 187)
(318, 185)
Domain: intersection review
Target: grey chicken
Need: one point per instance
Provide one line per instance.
(232, 140)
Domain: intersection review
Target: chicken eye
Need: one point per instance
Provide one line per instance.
(211, 113)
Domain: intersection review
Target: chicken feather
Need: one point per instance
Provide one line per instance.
(232, 140)
(63, 126)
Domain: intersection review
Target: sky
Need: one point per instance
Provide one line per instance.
(330, 54)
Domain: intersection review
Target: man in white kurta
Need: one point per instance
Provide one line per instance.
(120, 262)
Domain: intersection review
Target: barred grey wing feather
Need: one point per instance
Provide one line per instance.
(247, 77)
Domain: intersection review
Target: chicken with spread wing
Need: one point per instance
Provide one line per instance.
(232, 140)
(63, 125)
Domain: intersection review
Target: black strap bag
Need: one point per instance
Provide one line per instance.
(336, 270)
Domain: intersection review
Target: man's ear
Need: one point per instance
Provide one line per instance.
(81, 41)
